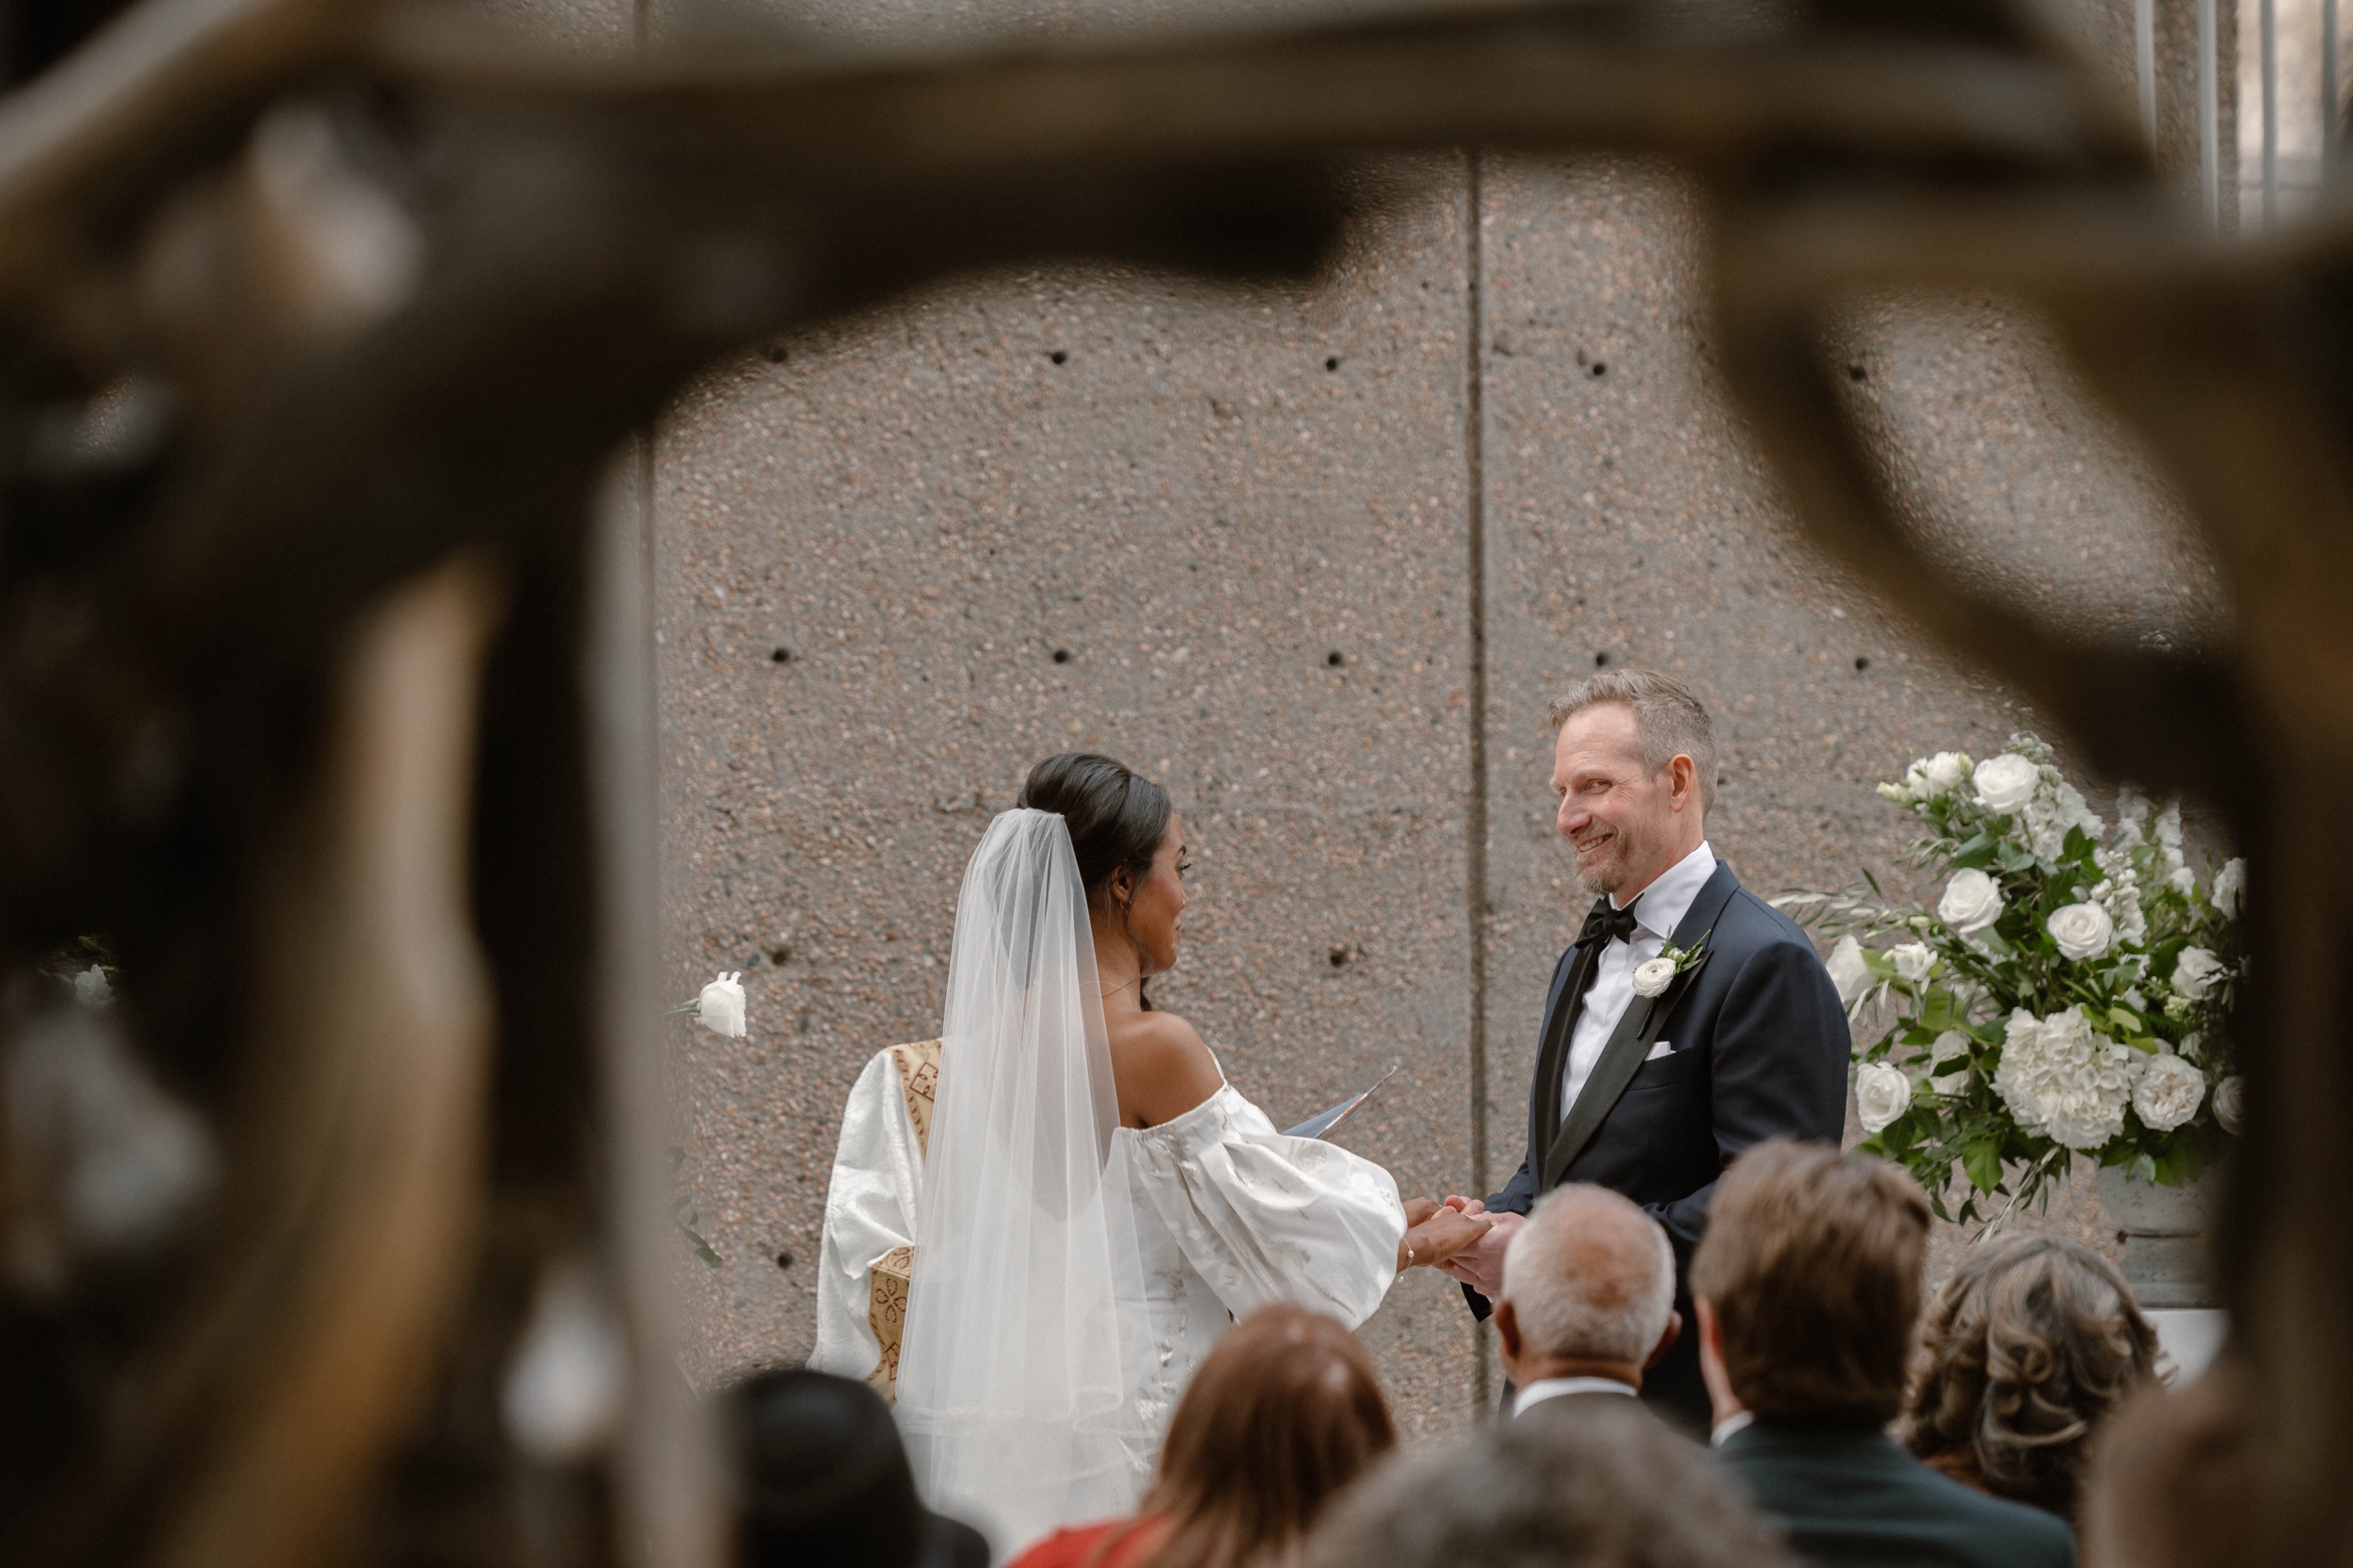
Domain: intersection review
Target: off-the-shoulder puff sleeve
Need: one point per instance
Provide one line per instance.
(1263, 1218)
(869, 1212)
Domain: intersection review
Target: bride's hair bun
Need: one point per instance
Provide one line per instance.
(1116, 816)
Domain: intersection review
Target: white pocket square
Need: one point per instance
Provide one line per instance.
(1664, 1048)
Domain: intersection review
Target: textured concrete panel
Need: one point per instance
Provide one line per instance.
(1222, 535)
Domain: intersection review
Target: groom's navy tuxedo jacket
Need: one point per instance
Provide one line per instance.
(1760, 1048)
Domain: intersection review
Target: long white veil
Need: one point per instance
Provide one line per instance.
(1012, 1394)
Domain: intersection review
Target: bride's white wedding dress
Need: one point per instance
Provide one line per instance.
(1041, 1281)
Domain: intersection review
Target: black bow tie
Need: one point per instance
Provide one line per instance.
(1606, 925)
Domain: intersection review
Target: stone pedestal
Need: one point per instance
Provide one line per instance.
(2164, 1233)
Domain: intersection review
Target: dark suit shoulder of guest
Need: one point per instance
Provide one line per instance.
(1849, 1497)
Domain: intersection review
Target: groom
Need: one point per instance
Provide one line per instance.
(1688, 1020)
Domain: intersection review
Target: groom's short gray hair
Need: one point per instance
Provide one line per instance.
(1591, 1276)
(1669, 719)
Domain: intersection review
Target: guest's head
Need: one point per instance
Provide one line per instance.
(1807, 1282)
(1131, 848)
(821, 1477)
(1589, 1289)
(2033, 1342)
(1613, 1488)
(1635, 770)
(1281, 1416)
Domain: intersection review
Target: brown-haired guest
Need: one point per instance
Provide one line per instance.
(1282, 1414)
(2033, 1341)
(1807, 1287)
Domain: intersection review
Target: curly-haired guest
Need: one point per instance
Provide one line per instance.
(2033, 1341)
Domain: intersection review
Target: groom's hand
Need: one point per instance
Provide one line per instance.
(1479, 1265)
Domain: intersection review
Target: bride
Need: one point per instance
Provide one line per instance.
(1039, 1224)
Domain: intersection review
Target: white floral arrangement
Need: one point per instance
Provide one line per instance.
(2067, 995)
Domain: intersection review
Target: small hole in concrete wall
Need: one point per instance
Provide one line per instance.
(779, 956)
(1332, 363)
(1601, 661)
(1861, 663)
(781, 656)
(1339, 958)
(784, 1260)
(1856, 373)
(1061, 656)
(776, 353)
(1336, 659)
(1598, 371)
(1059, 357)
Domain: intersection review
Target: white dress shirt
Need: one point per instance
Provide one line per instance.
(1552, 1388)
(1657, 910)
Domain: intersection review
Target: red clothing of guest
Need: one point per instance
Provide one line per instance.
(1113, 1543)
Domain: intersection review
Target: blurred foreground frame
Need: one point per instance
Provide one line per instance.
(326, 682)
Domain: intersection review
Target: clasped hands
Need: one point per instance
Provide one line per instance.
(1460, 1239)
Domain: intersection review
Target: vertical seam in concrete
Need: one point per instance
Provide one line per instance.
(1475, 806)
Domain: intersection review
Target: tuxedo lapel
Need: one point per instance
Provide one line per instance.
(1631, 1041)
(1552, 1052)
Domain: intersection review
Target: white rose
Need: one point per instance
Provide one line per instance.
(2006, 782)
(1971, 901)
(2229, 1104)
(2065, 1080)
(1653, 976)
(2230, 888)
(1913, 961)
(2081, 930)
(2169, 1092)
(1946, 770)
(721, 1006)
(1848, 971)
(1880, 1094)
(2195, 972)
(92, 989)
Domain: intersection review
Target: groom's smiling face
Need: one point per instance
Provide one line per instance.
(1626, 820)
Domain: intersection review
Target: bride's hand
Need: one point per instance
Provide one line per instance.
(1439, 1236)
(1418, 1209)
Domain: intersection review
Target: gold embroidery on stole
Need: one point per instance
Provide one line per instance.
(886, 1307)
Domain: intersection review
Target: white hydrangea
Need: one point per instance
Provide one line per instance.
(2169, 830)
(2064, 1079)
(2170, 1091)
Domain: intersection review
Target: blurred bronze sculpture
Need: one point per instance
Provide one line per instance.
(319, 325)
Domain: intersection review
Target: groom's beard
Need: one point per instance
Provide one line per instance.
(1620, 850)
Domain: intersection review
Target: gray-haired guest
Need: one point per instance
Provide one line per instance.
(1587, 1302)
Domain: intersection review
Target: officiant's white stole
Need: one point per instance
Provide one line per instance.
(887, 1309)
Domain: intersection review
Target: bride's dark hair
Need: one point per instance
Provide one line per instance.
(1116, 816)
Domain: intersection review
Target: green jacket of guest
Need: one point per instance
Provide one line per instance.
(1848, 1496)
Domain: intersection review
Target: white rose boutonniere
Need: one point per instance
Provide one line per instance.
(2229, 1104)
(1971, 901)
(2195, 974)
(2081, 930)
(2006, 782)
(1880, 1094)
(720, 1008)
(1654, 975)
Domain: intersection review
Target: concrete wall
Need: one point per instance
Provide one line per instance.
(1316, 559)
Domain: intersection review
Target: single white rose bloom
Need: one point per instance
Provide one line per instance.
(1946, 770)
(721, 1006)
(2230, 890)
(2006, 782)
(2170, 1091)
(1971, 901)
(2081, 930)
(2229, 1104)
(1880, 1094)
(1848, 971)
(2195, 974)
(1653, 976)
(92, 989)
(2064, 1079)
(1913, 961)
